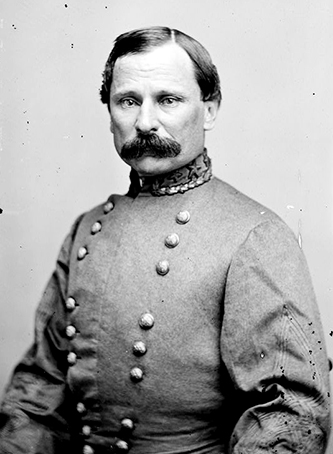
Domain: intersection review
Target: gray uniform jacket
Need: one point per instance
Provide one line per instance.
(184, 323)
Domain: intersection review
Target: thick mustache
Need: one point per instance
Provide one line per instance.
(150, 145)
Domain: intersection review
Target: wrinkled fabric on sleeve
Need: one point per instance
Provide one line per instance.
(272, 345)
(37, 408)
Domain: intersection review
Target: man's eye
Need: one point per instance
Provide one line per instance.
(127, 102)
(170, 101)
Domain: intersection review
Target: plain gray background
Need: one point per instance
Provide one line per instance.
(273, 139)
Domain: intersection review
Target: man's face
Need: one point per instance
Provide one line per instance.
(156, 92)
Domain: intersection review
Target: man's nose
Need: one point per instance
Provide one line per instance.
(147, 120)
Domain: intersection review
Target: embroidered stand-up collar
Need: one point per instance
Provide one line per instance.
(193, 174)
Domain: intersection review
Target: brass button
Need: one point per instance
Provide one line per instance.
(139, 348)
(122, 445)
(136, 374)
(70, 304)
(70, 331)
(86, 430)
(87, 449)
(172, 240)
(80, 408)
(96, 227)
(82, 252)
(163, 267)
(183, 217)
(108, 207)
(71, 358)
(127, 424)
(146, 321)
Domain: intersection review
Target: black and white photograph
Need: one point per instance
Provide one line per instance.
(166, 225)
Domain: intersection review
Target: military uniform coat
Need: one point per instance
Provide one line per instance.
(182, 323)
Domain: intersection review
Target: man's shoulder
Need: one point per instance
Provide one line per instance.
(227, 197)
(237, 215)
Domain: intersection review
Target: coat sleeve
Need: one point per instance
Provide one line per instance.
(35, 409)
(272, 345)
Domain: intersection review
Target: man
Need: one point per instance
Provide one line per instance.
(180, 317)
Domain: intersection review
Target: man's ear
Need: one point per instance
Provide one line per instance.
(111, 126)
(211, 110)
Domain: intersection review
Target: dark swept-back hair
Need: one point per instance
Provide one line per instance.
(144, 39)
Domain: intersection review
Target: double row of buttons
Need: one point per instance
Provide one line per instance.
(146, 322)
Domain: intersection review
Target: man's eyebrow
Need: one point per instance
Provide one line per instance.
(121, 93)
(170, 92)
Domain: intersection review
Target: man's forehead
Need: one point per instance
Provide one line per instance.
(168, 62)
